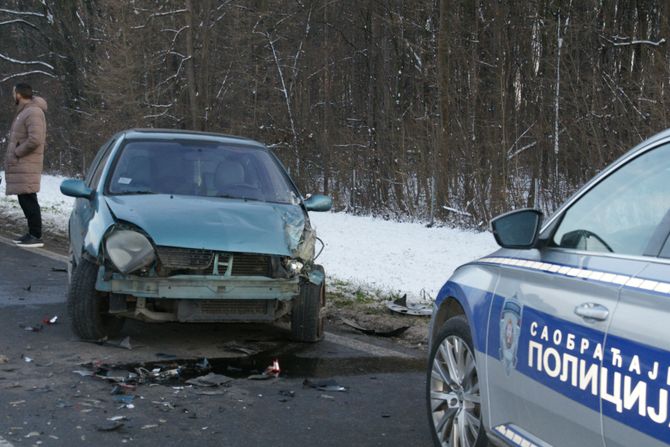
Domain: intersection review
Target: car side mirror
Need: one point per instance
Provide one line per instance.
(76, 188)
(318, 202)
(517, 229)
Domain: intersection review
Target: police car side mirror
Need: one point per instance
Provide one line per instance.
(517, 229)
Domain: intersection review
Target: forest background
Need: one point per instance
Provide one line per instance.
(440, 111)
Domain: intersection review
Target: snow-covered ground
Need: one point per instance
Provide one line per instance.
(373, 254)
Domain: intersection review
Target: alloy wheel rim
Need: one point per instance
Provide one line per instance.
(454, 394)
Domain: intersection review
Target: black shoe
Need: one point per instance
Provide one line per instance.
(22, 238)
(31, 241)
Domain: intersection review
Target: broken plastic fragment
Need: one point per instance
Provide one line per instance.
(324, 385)
(203, 364)
(117, 418)
(400, 306)
(316, 277)
(51, 320)
(125, 399)
(109, 426)
(273, 370)
(125, 343)
(379, 333)
(210, 380)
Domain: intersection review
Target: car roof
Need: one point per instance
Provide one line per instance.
(190, 134)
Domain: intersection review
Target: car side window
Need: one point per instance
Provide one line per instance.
(98, 165)
(621, 213)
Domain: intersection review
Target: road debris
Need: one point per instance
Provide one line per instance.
(4, 359)
(378, 333)
(210, 380)
(203, 364)
(126, 399)
(109, 425)
(27, 328)
(271, 372)
(118, 418)
(400, 306)
(125, 343)
(26, 358)
(52, 320)
(32, 434)
(210, 392)
(328, 385)
(286, 395)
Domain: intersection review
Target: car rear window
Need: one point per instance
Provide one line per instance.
(200, 168)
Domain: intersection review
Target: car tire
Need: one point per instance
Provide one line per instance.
(452, 391)
(88, 308)
(307, 321)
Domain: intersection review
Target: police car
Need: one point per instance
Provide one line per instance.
(562, 337)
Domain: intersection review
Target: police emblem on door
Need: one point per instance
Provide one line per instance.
(510, 328)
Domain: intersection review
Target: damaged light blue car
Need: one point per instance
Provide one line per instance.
(191, 227)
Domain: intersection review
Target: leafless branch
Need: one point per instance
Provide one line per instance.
(26, 73)
(640, 42)
(18, 21)
(20, 62)
(22, 13)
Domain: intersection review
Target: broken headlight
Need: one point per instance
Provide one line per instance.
(293, 266)
(129, 250)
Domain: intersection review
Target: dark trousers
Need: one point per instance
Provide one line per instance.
(31, 209)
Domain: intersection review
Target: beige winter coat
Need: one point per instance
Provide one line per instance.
(25, 153)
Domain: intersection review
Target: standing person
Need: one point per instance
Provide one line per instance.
(25, 158)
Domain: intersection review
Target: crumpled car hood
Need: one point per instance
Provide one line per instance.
(213, 223)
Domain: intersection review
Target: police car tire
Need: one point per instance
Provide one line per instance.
(307, 320)
(87, 307)
(456, 326)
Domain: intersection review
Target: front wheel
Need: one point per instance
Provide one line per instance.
(454, 404)
(306, 316)
(88, 308)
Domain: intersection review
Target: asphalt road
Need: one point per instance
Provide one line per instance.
(43, 402)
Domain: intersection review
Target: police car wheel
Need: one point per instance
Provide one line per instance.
(454, 406)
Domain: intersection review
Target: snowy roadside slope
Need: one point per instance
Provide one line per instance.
(395, 257)
(369, 253)
(55, 206)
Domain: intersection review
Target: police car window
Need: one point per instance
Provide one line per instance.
(621, 213)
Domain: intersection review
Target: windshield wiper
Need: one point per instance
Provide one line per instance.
(246, 199)
(126, 193)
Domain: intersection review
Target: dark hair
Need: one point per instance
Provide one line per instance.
(25, 90)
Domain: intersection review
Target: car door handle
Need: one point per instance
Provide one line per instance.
(592, 311)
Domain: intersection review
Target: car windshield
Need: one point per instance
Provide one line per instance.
(200, 168)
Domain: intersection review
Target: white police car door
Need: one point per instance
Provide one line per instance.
(538, 394)
(566, 364)
(636, 368)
